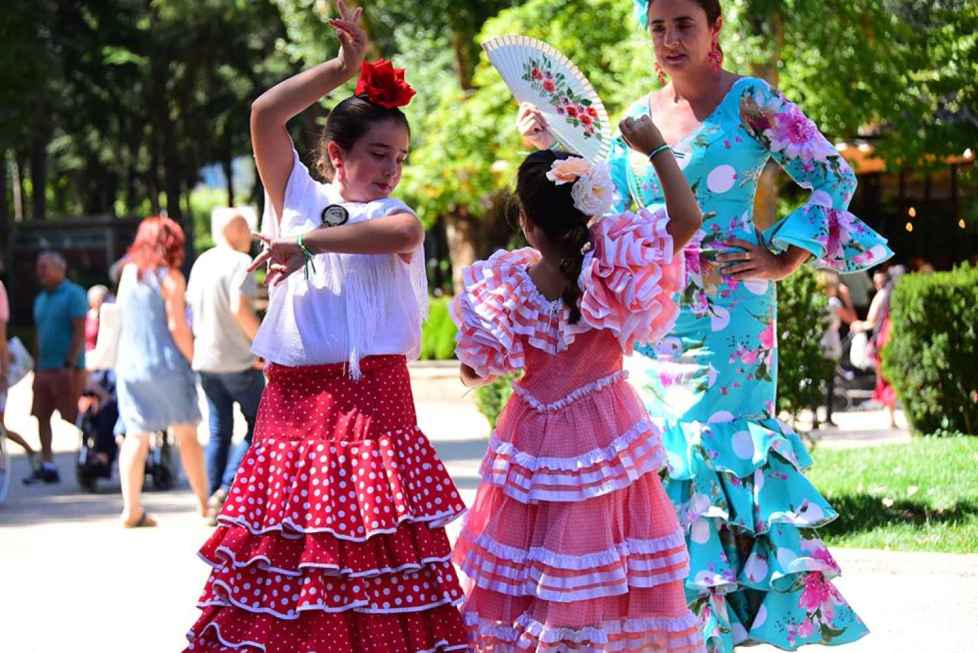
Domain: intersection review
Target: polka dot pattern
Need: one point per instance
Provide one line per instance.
(257, 590)
(220, 629)
(409, 548)
(334, 524)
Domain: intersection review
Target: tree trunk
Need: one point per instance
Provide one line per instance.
(462, 232)
(39, 173)
(766, 199)
(228, 164)
(17, 187)
(463, 60)
(132, 174)
(4, 208)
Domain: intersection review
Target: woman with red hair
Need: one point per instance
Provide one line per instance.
(157, 389)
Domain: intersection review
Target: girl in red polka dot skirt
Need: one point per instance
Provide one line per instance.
(571, 543)
(332, 536)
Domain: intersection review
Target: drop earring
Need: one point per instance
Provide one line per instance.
(661, 74)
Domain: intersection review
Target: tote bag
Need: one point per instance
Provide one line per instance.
(20, 361)
(103, 357)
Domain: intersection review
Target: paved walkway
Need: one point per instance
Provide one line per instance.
(73, 580)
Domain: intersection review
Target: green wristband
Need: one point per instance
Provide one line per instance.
(307, 255)
(658, 150)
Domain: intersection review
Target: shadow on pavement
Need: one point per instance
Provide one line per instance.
(44, 503)
(462, 458)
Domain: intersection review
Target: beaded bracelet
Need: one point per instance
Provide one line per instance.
(308, 256)
(661, 148)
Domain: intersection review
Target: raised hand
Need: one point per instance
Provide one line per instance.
(533, 127)
(641, 134)
(283, 257)
(352, 36)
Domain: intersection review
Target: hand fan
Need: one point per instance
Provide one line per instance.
(539, 74)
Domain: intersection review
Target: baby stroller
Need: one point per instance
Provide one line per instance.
(850, 385)
(99, 423)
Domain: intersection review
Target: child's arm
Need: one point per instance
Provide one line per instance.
(685, 216)
(275, 107)
(470, 379)
(398, 233)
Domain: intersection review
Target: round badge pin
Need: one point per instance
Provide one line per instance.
(334, 215)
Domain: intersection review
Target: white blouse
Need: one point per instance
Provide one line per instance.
(353, 305)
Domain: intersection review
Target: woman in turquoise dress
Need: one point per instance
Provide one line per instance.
(759, 572)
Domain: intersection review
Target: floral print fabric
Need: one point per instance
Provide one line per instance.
(759, 573)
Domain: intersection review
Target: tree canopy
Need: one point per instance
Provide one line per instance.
(114, 106)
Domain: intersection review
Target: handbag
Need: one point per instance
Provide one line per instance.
(103, 357)
(20, 361)
(859, 351)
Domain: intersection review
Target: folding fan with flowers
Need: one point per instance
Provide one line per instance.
(541, 75)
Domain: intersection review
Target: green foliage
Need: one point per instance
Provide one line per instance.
(921, 496)
(203, 200)
(802, 369)
(876, 67)
(491, 398)
(467, 148)
(933, 350)
(438, 332)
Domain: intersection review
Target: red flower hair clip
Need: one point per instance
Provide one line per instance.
(384, 85)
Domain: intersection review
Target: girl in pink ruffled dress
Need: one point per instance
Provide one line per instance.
(572, 543)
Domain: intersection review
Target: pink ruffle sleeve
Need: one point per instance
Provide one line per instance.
(487, 313)
(630, 278)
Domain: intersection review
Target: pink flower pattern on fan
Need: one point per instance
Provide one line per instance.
(562, 95)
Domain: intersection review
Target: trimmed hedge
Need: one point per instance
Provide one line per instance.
(438, 332)
(803, 370)
(932, 356)
(491, 398)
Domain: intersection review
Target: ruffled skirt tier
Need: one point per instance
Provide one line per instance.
(332, 536)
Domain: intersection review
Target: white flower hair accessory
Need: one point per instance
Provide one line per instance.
(593, 191)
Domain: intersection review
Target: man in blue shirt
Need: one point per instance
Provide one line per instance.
(59, 315)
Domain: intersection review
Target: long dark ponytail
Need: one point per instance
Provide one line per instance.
(551, 208)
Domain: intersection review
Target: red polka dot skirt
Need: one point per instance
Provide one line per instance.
(332, 537)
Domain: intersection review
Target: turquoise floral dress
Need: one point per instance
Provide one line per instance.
(759, 573)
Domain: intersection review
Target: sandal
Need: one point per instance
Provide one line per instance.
(144, 521)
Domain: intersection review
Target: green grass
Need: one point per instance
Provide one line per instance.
(920, 496)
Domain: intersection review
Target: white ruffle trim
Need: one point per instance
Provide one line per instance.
(191, 637)
(523, 490)
(292, 615)
(630, 547)
(568, 399)
(265, 564)
(288, 528)
(525, 625)
(619, 586)
(575, 463)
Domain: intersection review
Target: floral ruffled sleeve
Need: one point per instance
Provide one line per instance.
(836, 238)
